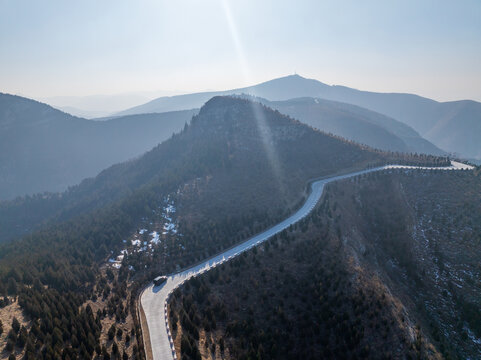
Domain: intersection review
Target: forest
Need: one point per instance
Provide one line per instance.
(216, 166)
(296, 296)
(422, 230)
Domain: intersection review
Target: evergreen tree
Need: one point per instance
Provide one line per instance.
(12, 286)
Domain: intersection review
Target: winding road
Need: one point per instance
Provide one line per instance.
(154, 298)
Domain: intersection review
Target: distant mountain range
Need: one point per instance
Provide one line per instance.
(452, 126)
(356, 124)
(44, 149)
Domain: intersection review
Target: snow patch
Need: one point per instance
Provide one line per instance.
(117, 262)
(155, 237)
(169, 209)
(136, 242)
(169, 227)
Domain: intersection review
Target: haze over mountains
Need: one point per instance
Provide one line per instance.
(208, 143)
(223, 134)
(44, 149)
(95, 106)
(356, 124)
(47, 150)
(452, 126)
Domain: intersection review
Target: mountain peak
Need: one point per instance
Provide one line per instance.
(295, 79)
(293, 76)
(225, 109)
(235, 119)
(227, 101)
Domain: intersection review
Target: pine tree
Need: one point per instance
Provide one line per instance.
(115, 348)
(12, 286)
(22, 337)
(15, 325)
(111, 332)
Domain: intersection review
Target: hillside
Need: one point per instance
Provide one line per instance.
(236, 169)
(205, 143)
(296, 297)
(385, 267)
(458, 128)
(43, 149)
(433, 120)
(356, 124)
(420, 232)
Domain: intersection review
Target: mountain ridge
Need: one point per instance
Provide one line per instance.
(224, 132)
(53, 149)
(356, 124)
(421, 113)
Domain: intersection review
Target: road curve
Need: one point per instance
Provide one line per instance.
(154, 299)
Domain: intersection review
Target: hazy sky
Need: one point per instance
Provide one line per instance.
(58, 47)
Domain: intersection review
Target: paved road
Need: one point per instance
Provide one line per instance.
(154, 299)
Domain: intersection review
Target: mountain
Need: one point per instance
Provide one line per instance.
(205, 142)
(458, 128)
(356, 124)
(236, 169)
(279, 89)
(353, 123)
(44, 149)
(433, 120)
(226, 131)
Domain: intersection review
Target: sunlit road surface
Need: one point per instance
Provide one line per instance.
(154, 298)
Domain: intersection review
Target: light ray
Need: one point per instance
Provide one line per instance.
(257, 109)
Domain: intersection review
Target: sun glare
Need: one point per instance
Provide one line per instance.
(264, 130)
